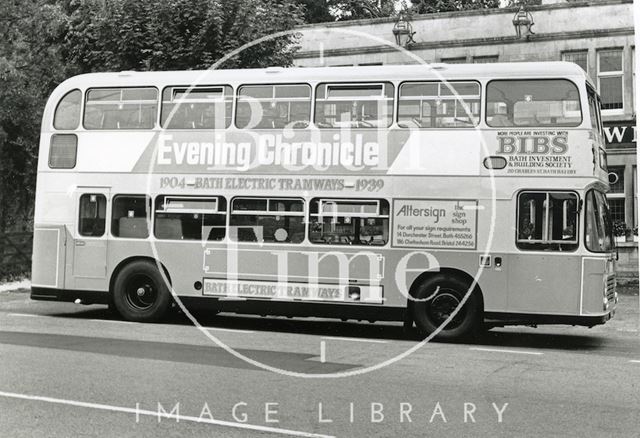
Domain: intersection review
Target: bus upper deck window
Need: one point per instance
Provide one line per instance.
(439, 105)
(532, 103)
(273, 106)
(67, 115)
(201, 107)
(354, 105)
(121, 108)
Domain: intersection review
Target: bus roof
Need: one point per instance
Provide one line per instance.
(512, 70)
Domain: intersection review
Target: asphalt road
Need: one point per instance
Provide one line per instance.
(71, 370)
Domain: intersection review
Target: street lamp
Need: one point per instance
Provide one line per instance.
(403, 31)
(522, 21)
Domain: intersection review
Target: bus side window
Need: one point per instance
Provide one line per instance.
(121, 108)
(130, 216)
(92, 220)
(547, 221)
(349, 222)
(272, 220)
(362, 105)
(67, 115)
(190, 218)
(273, 106)
(201, 107)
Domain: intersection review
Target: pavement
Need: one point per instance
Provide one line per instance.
(69, 370)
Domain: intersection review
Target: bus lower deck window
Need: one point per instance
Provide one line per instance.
(547, 221)
(190, 218)
(349, 222)
(130, 216)
(92, 220)
(267, 220)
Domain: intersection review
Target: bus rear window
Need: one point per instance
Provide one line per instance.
(533, 103)
(121, 108)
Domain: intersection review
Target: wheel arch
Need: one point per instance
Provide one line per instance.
(454, 272)
(132, 259)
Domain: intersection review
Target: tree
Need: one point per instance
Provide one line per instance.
(178, 34)
(431, 6)
(358, 9)
(316, 11)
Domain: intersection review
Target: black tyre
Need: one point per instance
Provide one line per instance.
(436, 299)
(140, 293)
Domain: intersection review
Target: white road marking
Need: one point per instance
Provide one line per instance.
(338, 338)
(499, 350)
(323, 351)
(229, 330)
(138, 412)
(634, 361)
(112, 320)
(24, 314)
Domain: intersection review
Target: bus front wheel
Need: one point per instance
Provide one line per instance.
(140, 293)
(437, 299)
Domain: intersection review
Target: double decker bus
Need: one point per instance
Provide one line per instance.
(457, 195)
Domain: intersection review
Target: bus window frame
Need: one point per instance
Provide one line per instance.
(612, 238)
(107, 222)
(80, 109)
(481, 99)
(236, 100)
(150, 205)
(190, 88)
(304, 214)
(546, 250)
(218, 198)
(319, 215)
(156, 119)
(394, 99)
(539, 126)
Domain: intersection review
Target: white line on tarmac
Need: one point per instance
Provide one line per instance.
(323, 351)
(499, 350)
(634, 361)
(112, 320)
(338, 338)
(24, 314)
(177, 417)
(228, 330)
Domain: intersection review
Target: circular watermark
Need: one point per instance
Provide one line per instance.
(282, 234)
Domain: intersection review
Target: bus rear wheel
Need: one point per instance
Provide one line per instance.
(140, 293)
(437, 299)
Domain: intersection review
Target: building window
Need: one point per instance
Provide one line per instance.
(615, 196)
(547, 221)
(457, 60)
(349, 222)
(485, 59)
(610, 78)
(577, 57)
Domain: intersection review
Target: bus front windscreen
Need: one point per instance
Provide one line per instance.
(598, 226)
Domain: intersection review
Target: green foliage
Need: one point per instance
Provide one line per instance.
(431, 6)
(359, 9)
(42, 42)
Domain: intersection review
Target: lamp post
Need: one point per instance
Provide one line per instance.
(403, 31)
(522, 21)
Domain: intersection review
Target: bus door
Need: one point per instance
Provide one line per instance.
(90, 237)
(544, 274)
